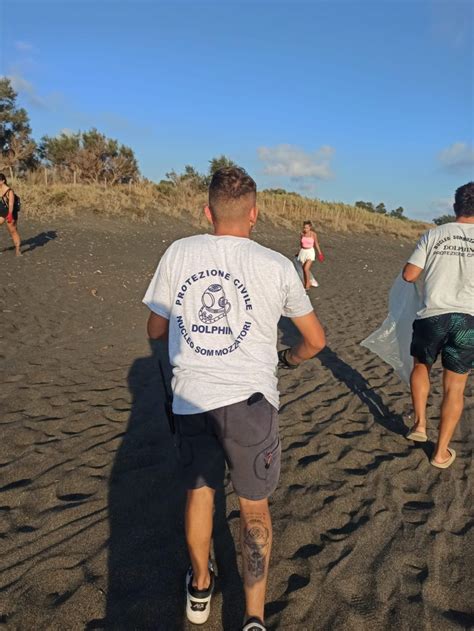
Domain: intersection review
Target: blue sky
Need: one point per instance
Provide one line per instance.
(342, 100)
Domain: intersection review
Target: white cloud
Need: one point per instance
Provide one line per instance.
(24, 47)
(22, 85)
(294, 162)
(458, 156)
(26, 88)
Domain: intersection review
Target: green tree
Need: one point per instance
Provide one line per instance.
(439, 221)
(17, 148)
(91, 156)
(165, 186)
(397, 213)
(194, 178)
(218, 163)
(122, 166)
(365, 206)
(380, 209)
(275, 191)
(191, 178)
(95, 151)
(61, 151)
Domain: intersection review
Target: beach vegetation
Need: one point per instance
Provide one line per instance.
(17, 148)
(381, 209)
(439, 221)
(75, 172)
(89, 157)
(146, 200)
(219, 163)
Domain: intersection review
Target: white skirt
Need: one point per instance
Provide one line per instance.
(306, 254)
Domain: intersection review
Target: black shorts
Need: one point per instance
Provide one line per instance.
(452, 334)
(243, 435)
(4, 213)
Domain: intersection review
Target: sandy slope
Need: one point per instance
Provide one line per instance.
(368, 535)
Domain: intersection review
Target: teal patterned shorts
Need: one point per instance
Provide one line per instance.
(451, 334)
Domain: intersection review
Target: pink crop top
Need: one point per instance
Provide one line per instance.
(307, 242)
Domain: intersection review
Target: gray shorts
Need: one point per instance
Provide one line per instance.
(243, 435)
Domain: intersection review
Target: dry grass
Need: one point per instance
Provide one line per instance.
(336, 216)
(145, 201)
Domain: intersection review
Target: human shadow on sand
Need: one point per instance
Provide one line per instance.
(351, 378)
(41, 239)
(344, 373)
(147, 557)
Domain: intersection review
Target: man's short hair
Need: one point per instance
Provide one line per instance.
(464, 201)
(232, 193)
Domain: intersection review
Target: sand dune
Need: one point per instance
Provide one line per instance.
(368, 536)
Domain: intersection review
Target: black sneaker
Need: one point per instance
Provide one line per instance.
(198, 601)
(254, 624)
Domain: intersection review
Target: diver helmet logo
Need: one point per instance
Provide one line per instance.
(214, 305)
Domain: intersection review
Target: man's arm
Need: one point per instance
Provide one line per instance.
(313, 339)
(157, 327)
(417, 261)
(411, 272)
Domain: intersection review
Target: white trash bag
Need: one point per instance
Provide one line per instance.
(391, 342)
(299, 269)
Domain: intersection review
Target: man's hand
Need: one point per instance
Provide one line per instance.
(313, 338)
(283, 361)
(313, 341)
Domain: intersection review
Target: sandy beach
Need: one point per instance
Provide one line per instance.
(367, 535)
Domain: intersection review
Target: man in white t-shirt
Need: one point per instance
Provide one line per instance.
(445, 324)
(218, 299)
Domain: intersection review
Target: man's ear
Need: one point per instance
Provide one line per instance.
(253, 215)
(208, 213)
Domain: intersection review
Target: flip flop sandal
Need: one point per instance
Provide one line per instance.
(418, 437)
(447, 463)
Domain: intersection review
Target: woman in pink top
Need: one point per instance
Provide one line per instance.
(308, 242)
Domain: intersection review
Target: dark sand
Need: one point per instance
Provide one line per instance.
(368, 536)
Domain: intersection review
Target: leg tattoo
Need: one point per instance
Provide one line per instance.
(256, 539)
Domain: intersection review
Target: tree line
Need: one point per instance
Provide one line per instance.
(380, 209)
(90, 157)
(398, 212)
(191, 177)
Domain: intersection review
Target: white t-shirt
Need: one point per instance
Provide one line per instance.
(446, 254)
(223, 296)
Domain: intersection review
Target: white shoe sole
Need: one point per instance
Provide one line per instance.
(198, 615)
